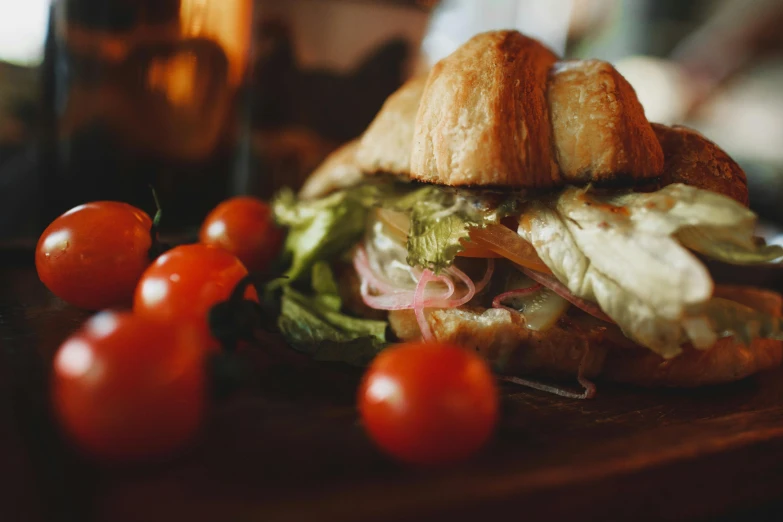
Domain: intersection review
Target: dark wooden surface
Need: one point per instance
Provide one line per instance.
(290, 449)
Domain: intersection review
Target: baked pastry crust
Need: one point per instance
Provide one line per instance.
(598, 125)
(339, 170)
(502, 111)
(600, 349)
(692, 159)
(483, 117)
(386, 144)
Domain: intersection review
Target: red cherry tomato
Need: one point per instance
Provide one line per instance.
(244, 226)
(93, 255)
(186, 282)
(429, 403)
(126, 387)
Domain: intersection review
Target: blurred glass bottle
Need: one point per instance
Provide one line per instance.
(139, 93)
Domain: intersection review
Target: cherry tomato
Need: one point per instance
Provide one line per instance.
(93, 255)
(429, 403)
(185, 282)
(127, 387)
(244, 226)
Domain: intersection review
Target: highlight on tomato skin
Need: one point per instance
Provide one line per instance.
(186, 282)
(93, 255)
(245, 227)
(128, 388)
(429, 403)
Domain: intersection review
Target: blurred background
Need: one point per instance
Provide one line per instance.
(99, 99)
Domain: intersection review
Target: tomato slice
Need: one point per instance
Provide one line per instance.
(509, 244)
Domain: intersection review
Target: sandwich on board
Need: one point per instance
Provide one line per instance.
(524, 207)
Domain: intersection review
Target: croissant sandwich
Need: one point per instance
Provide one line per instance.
(524, 207)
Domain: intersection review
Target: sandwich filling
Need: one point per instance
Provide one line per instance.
(633, 259)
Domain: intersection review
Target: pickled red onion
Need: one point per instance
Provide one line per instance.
(560, 289)
(589, 387)
(388, 301)
(487, 276)
(390, 297)
(362, 266)
(468, 282)
(497, 302)
(418, 305)
(402, 300)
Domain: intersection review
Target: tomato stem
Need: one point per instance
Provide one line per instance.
(236, 318)
(157, 247)
(158, 209)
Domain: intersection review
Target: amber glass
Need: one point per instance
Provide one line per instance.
(145, 92)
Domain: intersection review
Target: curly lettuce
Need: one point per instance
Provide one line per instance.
(322, 229)
(441, 220)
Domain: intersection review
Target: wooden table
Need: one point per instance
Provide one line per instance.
(290, 449)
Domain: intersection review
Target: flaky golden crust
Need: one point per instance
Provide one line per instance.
(726, 361)
(692, 159)
(386, 144)
(339, 170)
(483, 117)
(599, 129)
(602, 350)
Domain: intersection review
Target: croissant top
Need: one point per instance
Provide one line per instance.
(501, 110)
(386, 144)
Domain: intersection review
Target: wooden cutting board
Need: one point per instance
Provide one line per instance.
(290, 448)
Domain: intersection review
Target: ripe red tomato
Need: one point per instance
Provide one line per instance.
(127, 387)
(244, 226)
(93, 255)
(429, 403)
(185, 282)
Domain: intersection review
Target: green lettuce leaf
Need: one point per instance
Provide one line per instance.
(732, 250)
(703, 221)
(631, 254)
(314, 324)
(728, 318)
(325, 286)
(441, 220)
(322, 229)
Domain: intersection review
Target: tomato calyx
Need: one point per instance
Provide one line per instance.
(239, 319)
(158, 247)
(232, 321)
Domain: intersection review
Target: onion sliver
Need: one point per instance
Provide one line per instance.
(560, 289)
(487, 276)
(418, 305)
(391, 297)
(362, 267)
(589, 387)
(540, 306)
(497, 302)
